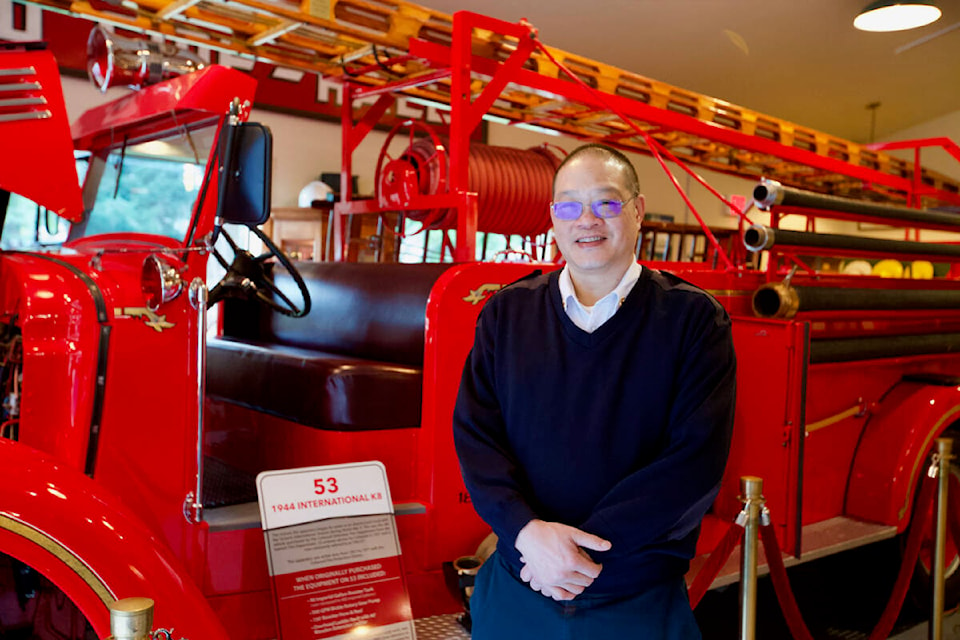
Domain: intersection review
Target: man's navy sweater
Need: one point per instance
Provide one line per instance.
(623, 432)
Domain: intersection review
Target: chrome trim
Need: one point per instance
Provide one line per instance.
(21, 86)
(20, 102)
(233, 517)
(759, 237)
(22, 71)
(247, 515)
(171, 284)
(32, 115)
(198, 300)
(767, 194)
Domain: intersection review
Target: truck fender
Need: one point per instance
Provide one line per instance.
(891, 457)
(94, 549)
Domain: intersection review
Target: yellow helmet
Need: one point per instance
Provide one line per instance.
(888, 268)
(921, 270)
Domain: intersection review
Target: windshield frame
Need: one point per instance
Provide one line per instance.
(98, 163)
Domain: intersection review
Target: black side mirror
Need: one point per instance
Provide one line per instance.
(245, 161)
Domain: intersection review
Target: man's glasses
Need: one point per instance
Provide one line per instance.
(600, 208)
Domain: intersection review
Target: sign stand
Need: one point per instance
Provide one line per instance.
(333, 553)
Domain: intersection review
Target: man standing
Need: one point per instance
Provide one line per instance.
(592, 425)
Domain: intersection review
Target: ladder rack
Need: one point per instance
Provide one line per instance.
(393, 45)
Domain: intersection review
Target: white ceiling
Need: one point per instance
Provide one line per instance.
(800, 60)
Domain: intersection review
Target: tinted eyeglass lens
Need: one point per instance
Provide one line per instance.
(606, 208)
(600, 208)
(567, 210)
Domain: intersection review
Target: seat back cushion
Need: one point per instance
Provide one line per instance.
(374, 311)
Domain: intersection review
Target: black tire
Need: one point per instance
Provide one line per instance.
(33, 607)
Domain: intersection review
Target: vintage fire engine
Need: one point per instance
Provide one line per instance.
(130, 441)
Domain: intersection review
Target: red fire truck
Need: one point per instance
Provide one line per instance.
(130, 441)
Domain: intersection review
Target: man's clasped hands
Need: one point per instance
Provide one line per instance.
(555, 561)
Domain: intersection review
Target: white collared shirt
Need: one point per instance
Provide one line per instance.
(591, 318)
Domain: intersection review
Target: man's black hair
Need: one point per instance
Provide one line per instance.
(631, 180)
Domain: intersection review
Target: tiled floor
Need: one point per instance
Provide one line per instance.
(447, 628)
(951, 630)
(440, 628)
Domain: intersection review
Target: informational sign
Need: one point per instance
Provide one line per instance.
(333, 553)
(739, 201)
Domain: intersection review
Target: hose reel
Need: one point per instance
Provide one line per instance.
(514, 187)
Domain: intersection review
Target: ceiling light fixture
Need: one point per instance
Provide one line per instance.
(890, 15)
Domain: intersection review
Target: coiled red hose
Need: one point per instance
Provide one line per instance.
(514, 187)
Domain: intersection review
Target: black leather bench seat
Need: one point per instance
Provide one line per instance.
(314, 388)
(354, 363)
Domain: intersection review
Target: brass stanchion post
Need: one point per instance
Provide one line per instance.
(751, 493)
(941, 467)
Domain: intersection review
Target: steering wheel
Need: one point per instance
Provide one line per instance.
(248, 277)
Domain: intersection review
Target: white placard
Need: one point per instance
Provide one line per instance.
(334, 554)
(295, 496)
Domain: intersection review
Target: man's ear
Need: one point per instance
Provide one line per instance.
(641, 209)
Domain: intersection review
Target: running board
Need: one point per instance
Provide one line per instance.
(819, 540)
(247, 515)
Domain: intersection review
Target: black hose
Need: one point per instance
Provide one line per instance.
(760, 237)
(848, 349)
(772, 301)
(770, 193)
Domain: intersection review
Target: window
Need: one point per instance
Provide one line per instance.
(151, 187)
(28, 226)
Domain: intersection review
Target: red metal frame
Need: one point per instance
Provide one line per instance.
(146, 463)
(73, 530)
(918, 191)
(41, 141)
(81, 317)
(458, 62)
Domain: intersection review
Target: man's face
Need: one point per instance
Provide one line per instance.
(593, 245)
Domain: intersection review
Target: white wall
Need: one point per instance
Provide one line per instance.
(932, 158)
(935, 159)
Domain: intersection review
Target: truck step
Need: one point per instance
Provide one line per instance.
(819, 539)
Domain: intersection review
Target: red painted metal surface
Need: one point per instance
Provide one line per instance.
(58, 320)
(452, 310)
(768, 428)
(670, 120)
(944, 143)
(862, 465)
(67, 306)
(38, 141)
(88, 542)
(197, 96)
(907, 420)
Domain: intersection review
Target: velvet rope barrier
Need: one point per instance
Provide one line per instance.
(918, 527)
(788, 603)
(781, 584)
(718, 557)
(953, 516)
